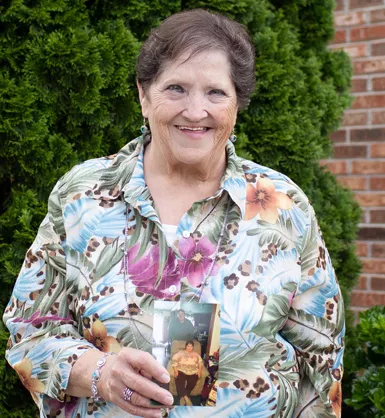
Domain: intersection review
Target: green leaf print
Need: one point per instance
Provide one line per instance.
(80, 266)
(308, 332)
(286, 391)
(299, 199)
(79, 178)
(109, 257)
(309, 253)
(145, 239)
(51, 377)
(163, 255)
(281, 233)
(275, 313)
(238, 361)
(122, 169)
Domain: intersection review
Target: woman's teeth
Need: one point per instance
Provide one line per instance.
(187, 128)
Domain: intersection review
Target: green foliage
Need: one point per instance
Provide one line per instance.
(367, 360)
(67, 93)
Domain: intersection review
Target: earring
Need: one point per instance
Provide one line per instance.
(144, 129)
(233, 138)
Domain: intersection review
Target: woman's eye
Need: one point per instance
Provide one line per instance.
(217, 92)
(175, 87)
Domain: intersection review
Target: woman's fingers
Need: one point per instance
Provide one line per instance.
(142, 361)
(145, 387)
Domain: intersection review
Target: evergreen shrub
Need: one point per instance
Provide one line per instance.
(366, 358)
(67, 93)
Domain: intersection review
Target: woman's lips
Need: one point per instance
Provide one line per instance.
(192, 131)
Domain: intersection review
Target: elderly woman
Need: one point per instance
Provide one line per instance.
(187, 365)
(177, 215)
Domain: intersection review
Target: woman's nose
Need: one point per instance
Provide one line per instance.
(195, 108)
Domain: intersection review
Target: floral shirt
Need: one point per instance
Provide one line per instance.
(281, 319)
(188, 363)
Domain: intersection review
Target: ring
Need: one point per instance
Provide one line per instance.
(127, 394)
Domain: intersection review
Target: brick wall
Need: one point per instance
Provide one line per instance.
(359, 146)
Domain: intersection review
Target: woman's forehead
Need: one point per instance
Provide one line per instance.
(208, 63)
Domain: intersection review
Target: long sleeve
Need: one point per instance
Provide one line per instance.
(44, 342)
(316, 328)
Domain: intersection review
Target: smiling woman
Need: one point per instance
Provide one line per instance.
(176, 215)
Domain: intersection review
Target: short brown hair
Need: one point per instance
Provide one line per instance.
(196, 31)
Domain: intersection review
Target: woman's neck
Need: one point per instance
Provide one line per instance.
(205, 174)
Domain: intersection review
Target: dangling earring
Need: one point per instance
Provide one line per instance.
(144, 129)
(233, 138)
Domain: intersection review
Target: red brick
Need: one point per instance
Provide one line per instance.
(377, 283)
(366, 299)
(336, 167)
(362, 283)
(361, 249)
(338, 136)
(377, 15)
(355, 4)
(339, 5)
(351, 119)
(349, 19)
(370, 32)
(370, 199)
(377, 183)
(353, 182)
(369, 101)
(378, 117)
(378, 217)
(350, 151)
(369, 135)
(373, 265)
(372, 233)
(378, 250)
(339, 37)
(377, 151)
(356, 51)
(378, 83)
(368, 167)
(359, 85)
(378, 49)
(374, 65)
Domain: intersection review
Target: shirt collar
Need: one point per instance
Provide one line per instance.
(125, 177)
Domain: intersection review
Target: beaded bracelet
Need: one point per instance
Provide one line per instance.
(96, 377)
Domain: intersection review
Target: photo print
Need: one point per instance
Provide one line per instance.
(186, 342)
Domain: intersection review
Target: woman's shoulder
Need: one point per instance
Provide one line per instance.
(98, 177)
(258, 176)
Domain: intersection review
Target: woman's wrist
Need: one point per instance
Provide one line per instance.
(80, 378)
(96, 375)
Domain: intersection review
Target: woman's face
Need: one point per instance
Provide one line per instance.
(192, 107)
(189, 348)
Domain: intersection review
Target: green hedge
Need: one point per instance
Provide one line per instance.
(67, 93)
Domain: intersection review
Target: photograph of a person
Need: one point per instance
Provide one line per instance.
(186, 339)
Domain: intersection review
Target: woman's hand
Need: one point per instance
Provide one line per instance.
(134, 369)
(176, 373)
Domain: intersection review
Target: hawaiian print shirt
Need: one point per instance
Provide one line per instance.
(281, 320)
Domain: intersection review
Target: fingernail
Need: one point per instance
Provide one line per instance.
(168, 400)
(165, 378)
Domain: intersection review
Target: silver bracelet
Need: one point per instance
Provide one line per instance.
(96, 377)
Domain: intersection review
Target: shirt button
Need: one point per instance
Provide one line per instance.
(172, 289)
(186, 234)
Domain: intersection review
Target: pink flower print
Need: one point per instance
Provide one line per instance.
(144, 273)
(197, 259)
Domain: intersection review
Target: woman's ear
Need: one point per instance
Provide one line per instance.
(143, 100)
